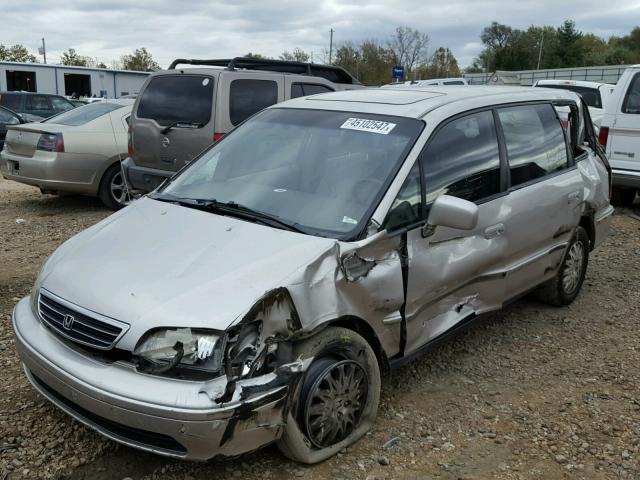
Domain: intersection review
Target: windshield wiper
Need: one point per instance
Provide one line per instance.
(180, 124)
(230, 208)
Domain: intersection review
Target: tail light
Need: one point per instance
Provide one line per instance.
(129, 142)
(51, 142)
(217, 137)
(603, 136)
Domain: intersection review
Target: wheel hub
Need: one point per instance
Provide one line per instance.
(335, 403)
(573, 267)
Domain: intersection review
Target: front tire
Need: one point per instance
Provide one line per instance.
(338, 399)
(113, 191)
(564, 287)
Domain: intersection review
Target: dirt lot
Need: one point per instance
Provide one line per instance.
(534, 392)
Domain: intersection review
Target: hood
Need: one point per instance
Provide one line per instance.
(157, 264)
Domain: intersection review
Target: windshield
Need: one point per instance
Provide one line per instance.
(85, 114)
(321, 171)
(590, 95)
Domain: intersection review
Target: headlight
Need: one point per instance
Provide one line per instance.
(164, 349)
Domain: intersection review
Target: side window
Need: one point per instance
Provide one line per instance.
(60, 105)
(463, 159)
(10, 101)
(535, 142)
(304, 89)
(247, 97)
(406, 208)
(296, 90)
(632, 98)
(38, 102)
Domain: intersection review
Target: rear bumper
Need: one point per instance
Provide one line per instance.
(144, 178)
(626, 178)
(165, 416)
(50, 172)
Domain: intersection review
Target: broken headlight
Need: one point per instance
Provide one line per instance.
(163, 350)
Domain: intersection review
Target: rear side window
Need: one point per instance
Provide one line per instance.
(454, 82)
(10, 101)
(304, 89)
(632, 98)
(177, 98)
(85, 114)
(535, 142)
(463, 159)
(38, 102)
(247, 97)
(61, 104)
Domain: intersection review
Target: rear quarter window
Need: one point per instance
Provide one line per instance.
(247, 97)
(177, 98)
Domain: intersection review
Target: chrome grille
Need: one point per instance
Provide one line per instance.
(78, 324)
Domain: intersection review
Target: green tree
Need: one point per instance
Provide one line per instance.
(16, 53)
(140, 60)
(71, 57)
(101, 65)
(443, 64)
(297, 55)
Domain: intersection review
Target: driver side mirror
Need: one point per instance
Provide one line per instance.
(452, 212)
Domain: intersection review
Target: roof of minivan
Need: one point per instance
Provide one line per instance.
(415, 102)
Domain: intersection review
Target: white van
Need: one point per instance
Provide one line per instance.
(620, 135)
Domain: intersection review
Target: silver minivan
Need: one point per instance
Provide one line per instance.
(325, 241)
(181, 111)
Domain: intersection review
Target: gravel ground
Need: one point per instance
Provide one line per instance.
(533, 392)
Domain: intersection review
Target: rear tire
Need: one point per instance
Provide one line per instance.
(623, 196)
(337, 401)
(564, 287)
(113, 191)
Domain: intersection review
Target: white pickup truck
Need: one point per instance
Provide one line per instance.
(620, 135)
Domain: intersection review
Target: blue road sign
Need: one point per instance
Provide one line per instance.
(397, 72)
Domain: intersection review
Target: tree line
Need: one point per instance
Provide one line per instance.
(508, 48)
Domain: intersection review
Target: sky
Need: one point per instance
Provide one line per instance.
(107, 29)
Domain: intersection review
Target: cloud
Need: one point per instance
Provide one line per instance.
(220, 29)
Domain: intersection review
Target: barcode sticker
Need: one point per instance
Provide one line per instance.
(365, 125)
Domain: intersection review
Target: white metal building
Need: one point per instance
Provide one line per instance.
(67, 80)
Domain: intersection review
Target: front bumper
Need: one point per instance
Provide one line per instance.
(169, 417)
(626, 178)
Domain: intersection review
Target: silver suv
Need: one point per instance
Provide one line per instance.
(180, 112)
(326, 240)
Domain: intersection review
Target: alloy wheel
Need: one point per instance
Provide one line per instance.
(573, 267)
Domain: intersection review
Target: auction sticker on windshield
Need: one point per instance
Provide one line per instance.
(365, 125)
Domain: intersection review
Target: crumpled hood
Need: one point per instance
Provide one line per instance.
(156, 264)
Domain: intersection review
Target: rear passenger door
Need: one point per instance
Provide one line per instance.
(39, 105)
(245, 94)
(545, 195)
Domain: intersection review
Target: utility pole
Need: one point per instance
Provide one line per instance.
(330, 45)
(43, 51)
(540, 52)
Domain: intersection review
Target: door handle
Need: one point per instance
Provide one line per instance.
(494, 231)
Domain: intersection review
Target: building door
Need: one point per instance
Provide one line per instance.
(77, 84)
(18, 80)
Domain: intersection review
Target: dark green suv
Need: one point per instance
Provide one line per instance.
(39, 104)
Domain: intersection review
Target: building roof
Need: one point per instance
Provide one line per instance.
(70, 67)
(416, 102)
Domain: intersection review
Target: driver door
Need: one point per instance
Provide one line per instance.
(449, 274)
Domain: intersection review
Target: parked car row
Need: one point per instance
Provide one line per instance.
(320, 242)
